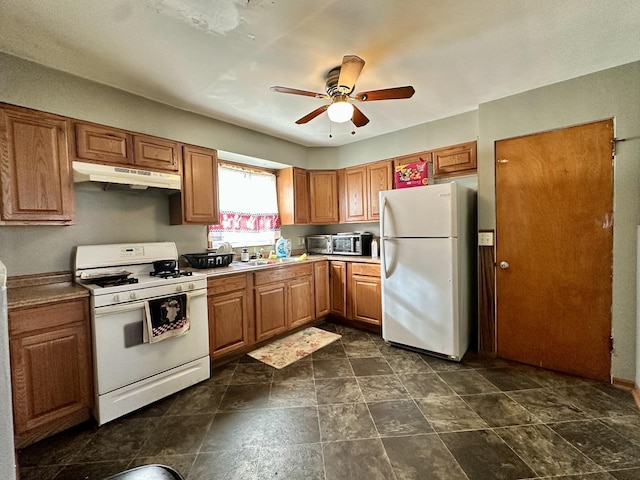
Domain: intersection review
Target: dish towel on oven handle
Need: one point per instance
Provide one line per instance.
(166, 317)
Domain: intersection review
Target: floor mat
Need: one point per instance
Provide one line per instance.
(287, 350)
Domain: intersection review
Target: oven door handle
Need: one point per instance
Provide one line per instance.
(127, 307)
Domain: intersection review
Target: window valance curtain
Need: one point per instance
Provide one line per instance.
(248, 207)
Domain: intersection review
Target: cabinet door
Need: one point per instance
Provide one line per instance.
(103, 144)
(321, 287)
(301, 304)
(338, 287)
(197, 204)
(36, 183)
(455, 160)
(365, 297)
(354, 194)
(228, 323)
(157, 153)
(323, 193)
(379, 178)
(51, 379)
(271, 310)
(293, 196)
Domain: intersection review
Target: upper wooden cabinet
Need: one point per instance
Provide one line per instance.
(293, 196)
(36, 182)
(455, 160)
(157, 153)
(97, 143)
(359, 188)
(323, 193)
(103, 144)
(197, 203)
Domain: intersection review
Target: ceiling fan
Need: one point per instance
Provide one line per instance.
(340, 82)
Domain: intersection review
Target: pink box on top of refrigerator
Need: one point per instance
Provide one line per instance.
(414, 174)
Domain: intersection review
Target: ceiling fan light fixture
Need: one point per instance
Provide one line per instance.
(340, 110)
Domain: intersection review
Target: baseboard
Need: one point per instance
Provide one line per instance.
(621, 382)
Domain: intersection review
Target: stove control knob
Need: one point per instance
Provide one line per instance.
(116, 298)
(192, 286)
(179, 288)
(133, 295)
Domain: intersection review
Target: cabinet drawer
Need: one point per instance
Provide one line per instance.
(226, 284)
(28, 320)
(282, 273)
(368, 269)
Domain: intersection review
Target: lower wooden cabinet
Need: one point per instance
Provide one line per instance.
(50, 368)
(338, 287)
(284, 299)
(230, 307)
(356, 291)
(321, 287)
(365, 295)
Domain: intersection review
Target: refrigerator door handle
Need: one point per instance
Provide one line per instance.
(383, 207)
(383, 257)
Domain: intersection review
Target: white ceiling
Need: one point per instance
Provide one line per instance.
(219, 57)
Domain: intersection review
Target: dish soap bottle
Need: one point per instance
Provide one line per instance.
(281, 247)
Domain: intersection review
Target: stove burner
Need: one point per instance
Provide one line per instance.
(171, 274)
(115, 282)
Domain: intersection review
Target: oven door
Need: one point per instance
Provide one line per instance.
(120, 355)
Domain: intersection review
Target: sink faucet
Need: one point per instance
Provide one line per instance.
(260, 253)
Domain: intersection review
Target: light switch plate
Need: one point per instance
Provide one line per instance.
(485, 239)
(301, 241)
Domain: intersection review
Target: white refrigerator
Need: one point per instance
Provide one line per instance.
(427, 255)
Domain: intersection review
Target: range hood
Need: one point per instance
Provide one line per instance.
(134, 177)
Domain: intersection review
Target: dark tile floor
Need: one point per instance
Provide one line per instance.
(360, 409)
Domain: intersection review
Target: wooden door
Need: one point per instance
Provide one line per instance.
(35, 179)
(554, 231)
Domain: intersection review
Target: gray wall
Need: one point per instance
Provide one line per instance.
(115, 216)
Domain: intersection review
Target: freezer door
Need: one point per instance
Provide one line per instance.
(428, 211)
(419, 295)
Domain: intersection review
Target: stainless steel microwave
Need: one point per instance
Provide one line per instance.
(351, 243)
(319, 244)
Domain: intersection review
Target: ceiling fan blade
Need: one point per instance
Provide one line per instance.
(350, 70)
(295, 91)
(359, 119)
(312, 115)
(385, 94)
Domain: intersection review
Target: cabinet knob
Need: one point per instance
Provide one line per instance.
(504, 265)
(179, 288)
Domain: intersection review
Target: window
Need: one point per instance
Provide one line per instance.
(248, 207)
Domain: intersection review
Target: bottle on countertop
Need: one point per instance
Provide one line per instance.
(281, 247)
(244, 255)
(374, 248)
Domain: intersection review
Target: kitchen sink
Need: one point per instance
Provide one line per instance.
(265, 261)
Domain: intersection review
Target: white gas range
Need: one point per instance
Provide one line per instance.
(133, 364)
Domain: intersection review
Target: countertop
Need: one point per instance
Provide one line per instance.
(240, 267)
(40, 289)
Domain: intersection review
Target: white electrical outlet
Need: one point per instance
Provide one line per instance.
(301, 241)
(485, 239)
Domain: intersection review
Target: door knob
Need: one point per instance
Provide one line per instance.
(504, 265)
